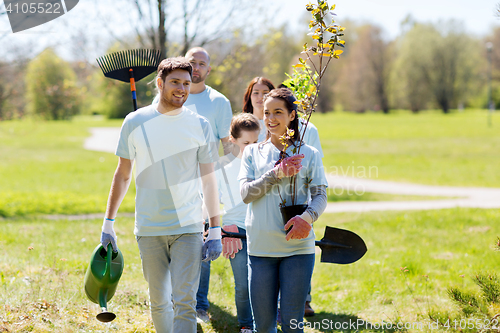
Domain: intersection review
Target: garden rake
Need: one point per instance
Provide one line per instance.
(130, 66)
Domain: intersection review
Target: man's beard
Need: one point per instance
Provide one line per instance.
(198, 79)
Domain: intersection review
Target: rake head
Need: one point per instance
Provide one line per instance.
(117, 65)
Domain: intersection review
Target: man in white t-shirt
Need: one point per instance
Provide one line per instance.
(174, 150)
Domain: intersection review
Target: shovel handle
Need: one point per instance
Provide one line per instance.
(317, 243)
(233, 234)
(322, 243)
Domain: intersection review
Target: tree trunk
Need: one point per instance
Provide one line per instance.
(162, 34)
(445, 105)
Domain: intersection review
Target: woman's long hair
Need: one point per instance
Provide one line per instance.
(247, 99)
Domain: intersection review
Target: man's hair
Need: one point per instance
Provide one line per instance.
(243, 122)
(169, 65)
(247, 100)
(286, 96)
(198, 49)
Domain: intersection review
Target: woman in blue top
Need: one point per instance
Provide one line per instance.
(280, 261)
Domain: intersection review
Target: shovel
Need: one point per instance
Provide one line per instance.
(338, 246)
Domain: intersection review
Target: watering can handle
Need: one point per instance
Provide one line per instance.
(108, 261)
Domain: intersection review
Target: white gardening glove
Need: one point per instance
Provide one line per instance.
(212, 247)
(108, 235)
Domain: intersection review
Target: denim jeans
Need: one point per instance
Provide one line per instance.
(171, 266)
(241, 296)
(269, 275)
(202, 294)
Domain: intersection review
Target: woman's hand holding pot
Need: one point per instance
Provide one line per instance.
(300, 229)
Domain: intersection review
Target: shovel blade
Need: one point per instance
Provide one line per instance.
(340, 246)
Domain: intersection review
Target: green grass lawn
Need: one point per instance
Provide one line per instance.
(431, 148)
(45, 170)
(413, 257)
(339, 196)
(42, 288)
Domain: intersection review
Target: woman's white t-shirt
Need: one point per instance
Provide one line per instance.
(264, 224)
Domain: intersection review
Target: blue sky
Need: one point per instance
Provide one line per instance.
(478, 16)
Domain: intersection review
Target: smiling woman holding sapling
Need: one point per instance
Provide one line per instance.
(280, 261)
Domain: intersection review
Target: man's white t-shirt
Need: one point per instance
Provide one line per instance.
(167, 151)
(214, 106)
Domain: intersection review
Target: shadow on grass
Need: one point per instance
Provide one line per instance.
(330, 322)
(221, 320)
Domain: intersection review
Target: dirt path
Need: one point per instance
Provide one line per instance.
(105, 139)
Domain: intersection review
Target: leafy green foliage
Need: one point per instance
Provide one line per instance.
(51, 90)
(440, 68)
(303, 86)
(490, 286)
(468, 302)
(113, 98)
(305, 81)
(482, 308)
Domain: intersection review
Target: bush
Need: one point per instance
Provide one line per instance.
(51, 87)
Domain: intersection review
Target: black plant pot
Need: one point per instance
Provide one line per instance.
(290, 211)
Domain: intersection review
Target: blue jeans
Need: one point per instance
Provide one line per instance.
(241, 296)
(202, 294)
(269, 275)
(171, 266)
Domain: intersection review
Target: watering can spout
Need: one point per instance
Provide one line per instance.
(101, 278)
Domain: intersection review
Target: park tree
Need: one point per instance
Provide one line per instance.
(433, 67)
(6, 91)
(494, 39)
(113, 98)
(380, 62)
(235, 61)
(12, 103)
(279, 50)
(446, 65)
(408, 86)
(51, 90)
(175, 26)
(12, 79)
(363, 78)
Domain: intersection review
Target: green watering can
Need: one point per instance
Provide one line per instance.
(101, 279)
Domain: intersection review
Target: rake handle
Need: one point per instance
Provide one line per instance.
(132, 88)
